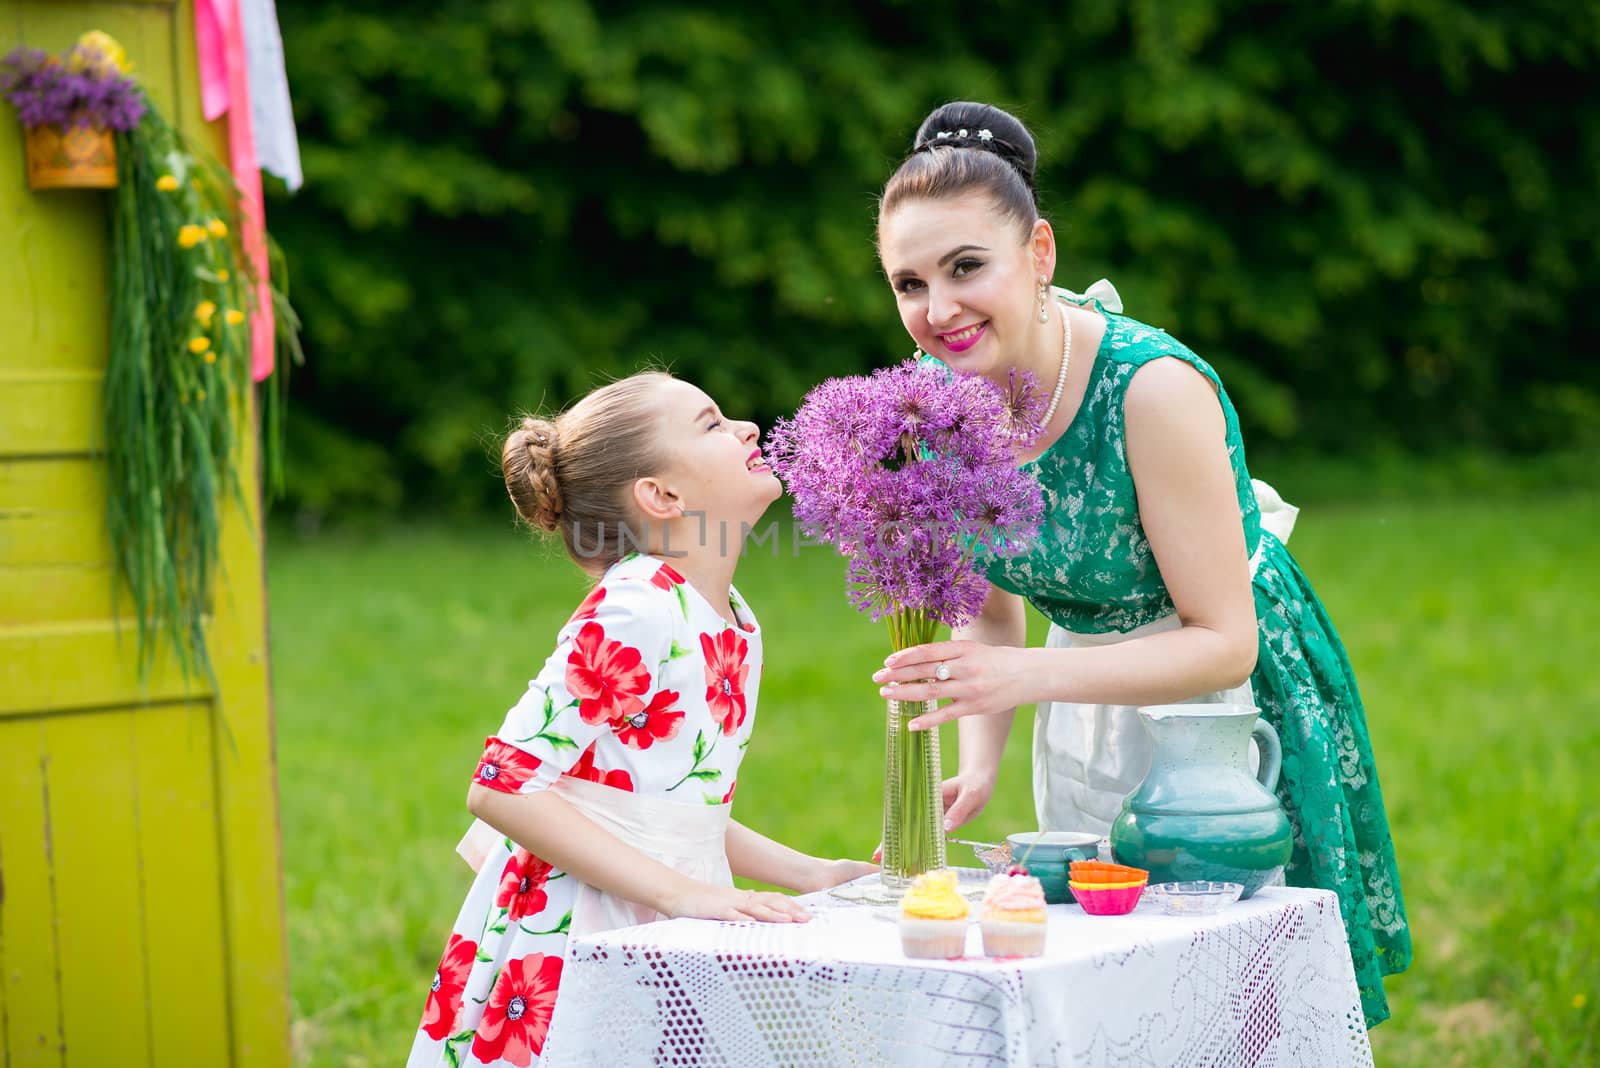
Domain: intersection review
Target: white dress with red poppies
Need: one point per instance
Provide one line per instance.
(649, 691)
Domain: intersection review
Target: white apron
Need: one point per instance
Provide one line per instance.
(689, 839)
(1087, 758)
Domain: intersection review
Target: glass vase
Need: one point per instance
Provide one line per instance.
(913, 801)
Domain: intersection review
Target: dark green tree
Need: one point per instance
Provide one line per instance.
(1378, 218)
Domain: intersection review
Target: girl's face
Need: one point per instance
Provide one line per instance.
(715, 464)
(966, 280)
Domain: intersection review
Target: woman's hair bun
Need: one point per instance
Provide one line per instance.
(529, 463)
(966, 124)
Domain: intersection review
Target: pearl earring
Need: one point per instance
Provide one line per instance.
(1044, 298)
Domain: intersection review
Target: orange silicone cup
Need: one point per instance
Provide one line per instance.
(1094, 871)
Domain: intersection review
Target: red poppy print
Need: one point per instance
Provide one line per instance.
(590, 606)
(585, 769)
(657, 722)
(521, 890)
(444, 997)
(605, 676)
(727, 798)
(504, 767)
(517, 1017)
(666, 577)
(726, 672)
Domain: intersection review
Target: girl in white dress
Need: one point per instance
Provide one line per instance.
(603, 800)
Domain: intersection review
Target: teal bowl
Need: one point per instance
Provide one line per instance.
(1048, 856)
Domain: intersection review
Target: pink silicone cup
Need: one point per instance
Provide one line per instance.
(1118, 902)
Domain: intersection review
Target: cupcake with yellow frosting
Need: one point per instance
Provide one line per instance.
(1013, 919)
(933, 917)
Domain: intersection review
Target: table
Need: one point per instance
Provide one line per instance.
(1266, 982)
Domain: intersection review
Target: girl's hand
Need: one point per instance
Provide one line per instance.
(703, 902)
(981, 680)
(831, 873)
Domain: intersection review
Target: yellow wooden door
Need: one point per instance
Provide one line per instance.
(141, 911)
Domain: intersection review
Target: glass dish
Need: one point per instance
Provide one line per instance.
(994, 856)
(1195, 899)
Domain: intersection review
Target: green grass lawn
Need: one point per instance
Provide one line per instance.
(1472, 624)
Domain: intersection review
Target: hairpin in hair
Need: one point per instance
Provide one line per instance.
(985, 138)
(962, 135)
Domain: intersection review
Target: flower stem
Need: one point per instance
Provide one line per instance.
(913, 804)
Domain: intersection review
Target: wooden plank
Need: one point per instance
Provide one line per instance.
(183, 929)
(30, 980)
(247, 790)
(247, 782)
(52, 512)
(74, 484)
(42, 539)
(39, 539)
(58, 593)
(94, 829)
(32, 538)
(55, 259)
(52, 413)
(62, 667)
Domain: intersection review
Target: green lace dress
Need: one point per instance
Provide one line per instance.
(1092, 574)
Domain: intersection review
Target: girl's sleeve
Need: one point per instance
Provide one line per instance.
(604, 670)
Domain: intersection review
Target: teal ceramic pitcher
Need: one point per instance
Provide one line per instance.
(1199, 813)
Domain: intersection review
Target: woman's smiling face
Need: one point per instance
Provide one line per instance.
(966, 280)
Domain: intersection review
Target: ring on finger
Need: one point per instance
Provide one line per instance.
(942, 672)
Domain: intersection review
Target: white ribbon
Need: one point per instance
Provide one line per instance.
(1277, 514)
(1103, 291)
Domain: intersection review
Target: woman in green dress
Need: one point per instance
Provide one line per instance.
(1160, 575)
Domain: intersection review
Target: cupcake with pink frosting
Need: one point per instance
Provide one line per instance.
(1013, 920)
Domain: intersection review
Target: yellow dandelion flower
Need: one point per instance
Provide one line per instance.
(211, 357)
(167, 183)
(1579, 1001)
(205, 311)
(197, 345)
(217, 227)
(234, 316)
(200, 395)
(222, 275)
(191, 235)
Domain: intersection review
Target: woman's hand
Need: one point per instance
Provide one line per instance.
(703, 902)
(965, 796)
(978, 679)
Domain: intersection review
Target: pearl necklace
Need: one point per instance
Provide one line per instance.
(1066, 358)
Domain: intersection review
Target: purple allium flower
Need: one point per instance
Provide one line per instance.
(912, 474)
(86, 91)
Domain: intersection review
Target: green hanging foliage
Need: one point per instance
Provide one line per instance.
(176, 382)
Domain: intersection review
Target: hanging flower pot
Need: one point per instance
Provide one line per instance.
(78, 156)
(69, 106)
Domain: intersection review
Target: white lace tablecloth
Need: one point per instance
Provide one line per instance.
(1266, 982)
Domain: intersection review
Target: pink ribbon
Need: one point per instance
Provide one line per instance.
(225, 87)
